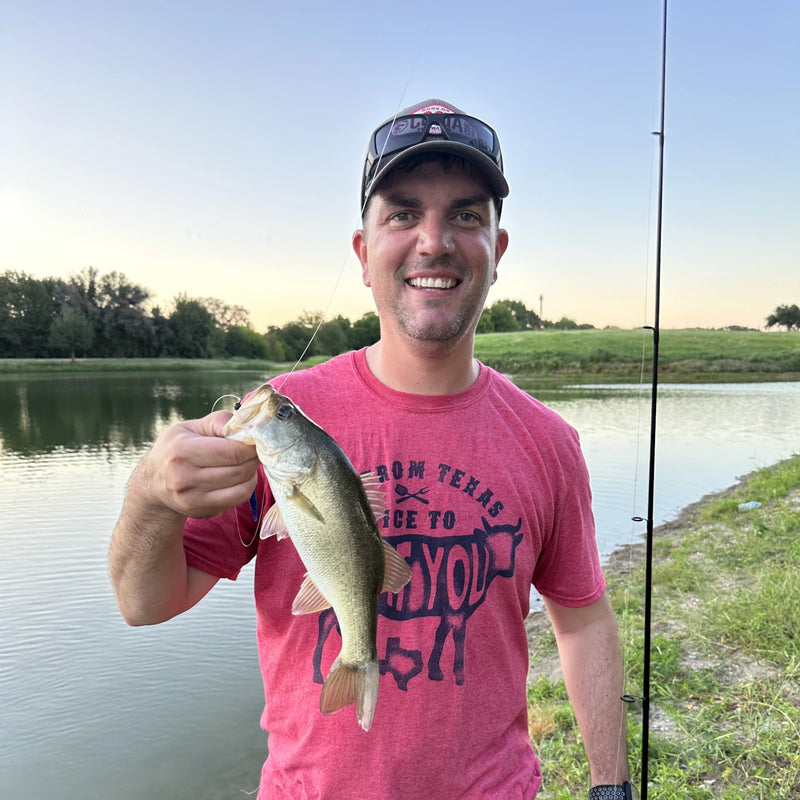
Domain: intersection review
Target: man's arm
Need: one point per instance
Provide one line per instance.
(191, 471)
(591, 662)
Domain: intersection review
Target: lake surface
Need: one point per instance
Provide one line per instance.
(94, 709)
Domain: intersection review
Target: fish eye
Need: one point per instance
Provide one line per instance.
(285, 411)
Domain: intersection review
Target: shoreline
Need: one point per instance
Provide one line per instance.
(725, 650)
(697, 372)
(620, 563)
(617, 567)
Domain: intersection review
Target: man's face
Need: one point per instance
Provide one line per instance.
(429, 251)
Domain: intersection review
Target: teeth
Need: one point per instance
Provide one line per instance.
(433, 283)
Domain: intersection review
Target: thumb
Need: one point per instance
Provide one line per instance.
(210, 425)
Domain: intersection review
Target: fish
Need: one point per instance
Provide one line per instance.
(329, 512)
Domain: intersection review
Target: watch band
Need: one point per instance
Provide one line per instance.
(608, 792)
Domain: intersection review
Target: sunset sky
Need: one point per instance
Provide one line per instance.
(216, 148)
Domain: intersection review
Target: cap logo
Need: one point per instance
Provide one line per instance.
(434, 108)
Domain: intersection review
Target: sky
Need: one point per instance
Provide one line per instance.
(215, 148)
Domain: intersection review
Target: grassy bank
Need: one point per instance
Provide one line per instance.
(685, 355)
(20, 365)
(584, 356)
(725, 689)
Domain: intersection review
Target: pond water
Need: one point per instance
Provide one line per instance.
(94, 709)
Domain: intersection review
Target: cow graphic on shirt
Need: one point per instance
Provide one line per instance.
(451, 576)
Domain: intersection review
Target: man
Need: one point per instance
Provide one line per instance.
(487, 494)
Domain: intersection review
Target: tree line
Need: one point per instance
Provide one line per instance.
(93, 315)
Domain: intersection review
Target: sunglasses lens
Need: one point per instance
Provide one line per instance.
(468, 130)
(410, 130)
(403, 132)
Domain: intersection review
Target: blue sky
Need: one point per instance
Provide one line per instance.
(216, 148)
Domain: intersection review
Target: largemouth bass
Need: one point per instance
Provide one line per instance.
(329, 512)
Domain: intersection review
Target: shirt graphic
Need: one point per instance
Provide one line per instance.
(455, 550)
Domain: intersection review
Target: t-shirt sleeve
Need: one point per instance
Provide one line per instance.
(568, 569)
(222, 545)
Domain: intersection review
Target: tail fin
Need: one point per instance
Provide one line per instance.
(351, 683)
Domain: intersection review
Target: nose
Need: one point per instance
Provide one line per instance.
(434, 236)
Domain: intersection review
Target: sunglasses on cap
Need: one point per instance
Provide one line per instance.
(412, 129)
(409, 130)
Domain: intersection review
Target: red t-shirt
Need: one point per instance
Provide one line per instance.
(487, 494)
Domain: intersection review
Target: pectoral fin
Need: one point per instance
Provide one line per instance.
(273, 524)
(303, 502)
(309, 599)
(396, 572)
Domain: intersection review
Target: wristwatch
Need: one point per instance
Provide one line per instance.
(624, 792)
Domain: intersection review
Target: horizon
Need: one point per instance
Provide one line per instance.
(217, 151)
(154, 302)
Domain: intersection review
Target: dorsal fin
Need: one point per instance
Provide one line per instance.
(373, 487)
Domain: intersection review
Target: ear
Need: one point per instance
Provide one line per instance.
(500, 246)
(360, 249)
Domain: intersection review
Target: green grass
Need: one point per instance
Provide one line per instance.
(626, 353)
(587, 356)
(725, 655)
(22, 365)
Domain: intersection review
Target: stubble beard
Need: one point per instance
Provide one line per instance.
(441, 329)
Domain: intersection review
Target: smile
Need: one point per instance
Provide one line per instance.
(432, 283)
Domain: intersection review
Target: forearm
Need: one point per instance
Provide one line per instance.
(591, 663)
(191, 471)
(146, 560)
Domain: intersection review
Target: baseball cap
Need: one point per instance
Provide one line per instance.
(433, 125)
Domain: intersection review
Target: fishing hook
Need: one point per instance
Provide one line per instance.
(236, 406)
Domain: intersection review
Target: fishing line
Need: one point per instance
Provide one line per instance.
(348, 251)
(254, 506)
(223, 396)
(256, 511)
(635, 702)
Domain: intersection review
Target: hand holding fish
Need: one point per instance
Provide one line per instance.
(193, 471)
(189, 471)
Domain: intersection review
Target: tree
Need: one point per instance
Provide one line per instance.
(566, 324)
(71, 332)
(502, 318)
(227, 317)
(245, 342)
(332, 337)
(365, 331)
(785, 316)
(162, 333)
(276, 351)
(27, 308)
(125, 328)
(193, 329)
(295, 337)
(526, 319)
(485, 324)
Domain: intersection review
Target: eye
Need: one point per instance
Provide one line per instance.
(468, 218)
(285, 411)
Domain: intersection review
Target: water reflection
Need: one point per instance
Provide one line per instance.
(40, 413)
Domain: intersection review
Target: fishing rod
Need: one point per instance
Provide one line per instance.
(648, 582)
